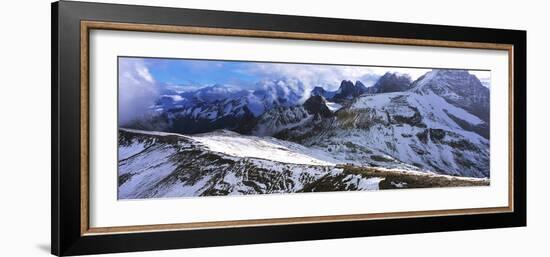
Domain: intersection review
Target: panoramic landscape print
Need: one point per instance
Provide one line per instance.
(213, 128)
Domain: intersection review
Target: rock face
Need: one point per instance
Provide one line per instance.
(391, 82)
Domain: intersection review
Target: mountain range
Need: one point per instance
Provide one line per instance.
(436, 126)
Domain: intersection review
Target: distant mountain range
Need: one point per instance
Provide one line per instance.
(220, 107)
(437, 124)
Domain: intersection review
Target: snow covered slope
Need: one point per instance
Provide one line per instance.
(418, 129)
(156, 164)
(459, 88)
(268, 148)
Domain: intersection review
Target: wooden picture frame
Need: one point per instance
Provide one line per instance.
(71, 26)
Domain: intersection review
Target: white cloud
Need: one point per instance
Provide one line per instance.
(327, 76)
(137, 90)
(143, 72)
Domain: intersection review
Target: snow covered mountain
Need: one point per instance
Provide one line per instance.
(417, 129)
(280, 138)
(220, 107)
(156, 164)
(458, 87)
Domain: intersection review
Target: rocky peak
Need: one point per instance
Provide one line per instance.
(348, 90)
(360, 87)
(457, 87)
(391, 82)
(317, 105)
(319, 91)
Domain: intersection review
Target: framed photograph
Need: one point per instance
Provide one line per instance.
(178, 128)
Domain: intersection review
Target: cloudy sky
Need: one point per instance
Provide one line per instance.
(184, 73)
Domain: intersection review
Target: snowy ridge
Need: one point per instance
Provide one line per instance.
(234, 144)
(157, 164)
(267, 148)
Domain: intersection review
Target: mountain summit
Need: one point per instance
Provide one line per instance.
(317, 105)
(459, 88)
(348, 90)
(391, 82)
(319, 91)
